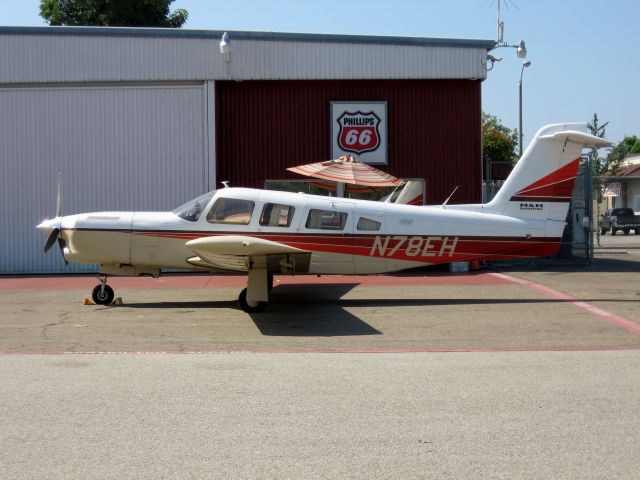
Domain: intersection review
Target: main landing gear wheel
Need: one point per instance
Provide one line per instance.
(250, 307)
(102, 294)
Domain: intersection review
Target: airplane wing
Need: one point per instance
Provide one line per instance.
(235, 252)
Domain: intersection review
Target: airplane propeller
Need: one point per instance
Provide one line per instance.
(53, 236)
(55, 224)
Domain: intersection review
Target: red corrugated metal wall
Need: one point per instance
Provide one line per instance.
(263, 127)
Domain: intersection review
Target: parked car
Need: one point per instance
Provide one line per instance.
(620, 219)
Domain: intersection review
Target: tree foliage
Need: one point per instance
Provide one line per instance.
(630, 145)
(112, 13)
(498, 141)
(599, 165)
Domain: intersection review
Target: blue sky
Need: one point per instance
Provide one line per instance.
(584, 53)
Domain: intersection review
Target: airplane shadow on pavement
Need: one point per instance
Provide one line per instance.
(313, 310)
(321, 310)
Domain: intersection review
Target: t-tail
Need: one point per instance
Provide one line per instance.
(541, 184)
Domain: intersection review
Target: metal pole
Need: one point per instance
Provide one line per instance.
(520, 108)
(524, 65)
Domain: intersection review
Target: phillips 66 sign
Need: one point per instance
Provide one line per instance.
(359, 129)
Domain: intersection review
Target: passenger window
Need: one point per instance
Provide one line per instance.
(368, 224)
(326, 220)
(231, 210)
(276, 215)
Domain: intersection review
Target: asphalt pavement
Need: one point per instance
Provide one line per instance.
(527, 372)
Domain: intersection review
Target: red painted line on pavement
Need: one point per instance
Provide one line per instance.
(340, 350)
(84, 282)
(612, 318)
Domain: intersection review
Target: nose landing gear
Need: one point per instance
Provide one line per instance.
(102, 294)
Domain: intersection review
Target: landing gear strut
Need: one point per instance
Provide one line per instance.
(260, 283)
(102, 294)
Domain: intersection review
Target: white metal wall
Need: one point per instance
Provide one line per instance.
(70, 57)
(119, 148)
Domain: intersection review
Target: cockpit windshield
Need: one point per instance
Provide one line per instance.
(192, 210)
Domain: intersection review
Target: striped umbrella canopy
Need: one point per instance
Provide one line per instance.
(348, 170)
(332, 187)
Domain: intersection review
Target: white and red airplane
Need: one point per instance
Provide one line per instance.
(267, 232)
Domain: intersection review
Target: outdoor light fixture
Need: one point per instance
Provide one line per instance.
(493, 59)
(521, 50)
(225, 47)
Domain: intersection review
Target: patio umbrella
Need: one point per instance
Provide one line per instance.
(332, 187)
(348, 170)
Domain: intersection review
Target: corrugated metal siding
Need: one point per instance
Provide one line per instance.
(39, 58)
(140, 148)
(86, 58)
(264, 127)
(258, 60)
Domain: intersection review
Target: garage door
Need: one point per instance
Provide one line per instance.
(118, 148)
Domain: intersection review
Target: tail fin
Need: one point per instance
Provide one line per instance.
(541, 184)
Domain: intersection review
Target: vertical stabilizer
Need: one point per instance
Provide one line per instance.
(541, 183)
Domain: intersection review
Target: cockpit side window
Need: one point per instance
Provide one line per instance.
(231, 211)
(367, 224)
(326, 220)
(192, 210)
(276, 215)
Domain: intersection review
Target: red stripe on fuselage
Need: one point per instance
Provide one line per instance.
(428, 249)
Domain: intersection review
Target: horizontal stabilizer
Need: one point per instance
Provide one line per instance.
(587, 140)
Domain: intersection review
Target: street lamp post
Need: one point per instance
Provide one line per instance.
(524, 65)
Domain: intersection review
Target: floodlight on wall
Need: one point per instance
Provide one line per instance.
(225, 47)
(493, 59)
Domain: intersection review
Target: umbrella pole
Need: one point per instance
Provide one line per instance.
(340, 189)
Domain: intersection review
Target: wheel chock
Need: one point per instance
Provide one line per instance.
(89, 301)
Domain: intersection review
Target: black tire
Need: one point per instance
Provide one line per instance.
(102, 297)
(603, 231)
(626, 231)
(269, 281)
(613, 231)
(637, 231)
(244, 305)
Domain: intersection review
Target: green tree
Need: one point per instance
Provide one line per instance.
(498, 141)
(599, 167)
(630, 145)
(112, 13)
(599, 164)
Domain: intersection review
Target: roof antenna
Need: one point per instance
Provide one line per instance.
(225, 183)
(444, 205)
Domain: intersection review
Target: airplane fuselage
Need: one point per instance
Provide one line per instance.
(349, 236)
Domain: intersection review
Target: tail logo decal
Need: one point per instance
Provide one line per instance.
(555, 187)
